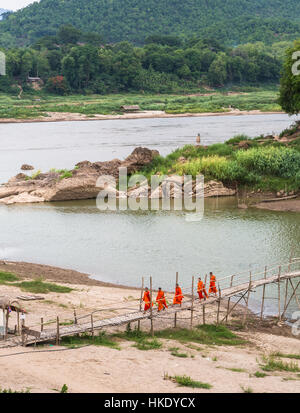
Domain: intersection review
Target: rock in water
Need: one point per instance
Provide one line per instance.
(26, 167)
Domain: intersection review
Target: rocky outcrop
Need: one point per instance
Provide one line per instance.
(84, 182)
(81, 182)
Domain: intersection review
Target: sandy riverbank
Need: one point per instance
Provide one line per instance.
(102, 369)
(150, 114)
(291, 205)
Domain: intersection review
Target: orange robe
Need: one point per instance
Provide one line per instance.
(147, 300)
(178, 296)
(161, 301)
(212, 285)
(201, 290)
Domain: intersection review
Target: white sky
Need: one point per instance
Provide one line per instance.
(14, 4)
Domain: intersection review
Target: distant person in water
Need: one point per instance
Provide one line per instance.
(161, 300)
(201, 290)
(212, 284)
(178, 295)
(147, 299)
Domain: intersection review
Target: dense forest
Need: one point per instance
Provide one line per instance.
(75, 61)
(231, 22)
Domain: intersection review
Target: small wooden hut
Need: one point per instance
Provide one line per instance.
(130, 108)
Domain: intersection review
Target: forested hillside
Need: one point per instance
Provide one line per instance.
(230, 21)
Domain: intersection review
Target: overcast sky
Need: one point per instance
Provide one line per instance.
(14, 4)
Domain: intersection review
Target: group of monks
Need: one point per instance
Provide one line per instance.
(178, 297)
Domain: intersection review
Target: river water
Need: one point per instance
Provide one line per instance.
(121, 247)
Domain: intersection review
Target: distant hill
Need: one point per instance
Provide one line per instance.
(230, 21)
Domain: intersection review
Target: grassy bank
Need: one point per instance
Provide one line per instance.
(38, 104)
(260, 163)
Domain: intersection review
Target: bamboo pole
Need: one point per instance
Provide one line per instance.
(6, 324)
(57, 330)
(247, 299)
(263, 297)
(219, 304)
(175, 315)
(228, 303)
(141, 300)
(290, 299)
(75, 317)
(295, 290)
(151, 312)
(279, 303)
(18, 320)
(92, 324)
(192, 308)
(22, 329)
(287, 284)
(42, 324)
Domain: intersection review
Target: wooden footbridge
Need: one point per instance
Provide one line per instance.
(231, 291)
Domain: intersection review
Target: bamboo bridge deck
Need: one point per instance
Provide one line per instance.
(241, 290)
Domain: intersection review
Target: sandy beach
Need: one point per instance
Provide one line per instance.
(150, 114)
(101, 369)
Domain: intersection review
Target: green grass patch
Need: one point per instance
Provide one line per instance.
(288, 356)
(236, 370)
(148, 344)
(143, 341)
(41, 287)
(260, 374)
(7, 277)
(187, 381)
(85, 339)
(203, 334)
(175, 352)
(271, 364)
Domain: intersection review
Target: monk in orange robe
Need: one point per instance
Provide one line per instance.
(161, 300)
(212, 284)
(201, 290)
(178, 295)
(147, 299)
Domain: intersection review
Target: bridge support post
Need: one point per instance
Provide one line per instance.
(175, 315)
(247, 300)
(92, 324)
(291, 297)
(228, 303)
(219, 305)
(263, 296)
(151, 319)
(142, 290)
(57, 330)
(279, 303)
(192, 307)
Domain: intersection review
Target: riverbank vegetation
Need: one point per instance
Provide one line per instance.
(263, 163)
(36, 104)
(72, 61)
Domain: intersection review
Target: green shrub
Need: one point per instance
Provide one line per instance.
(277, 161)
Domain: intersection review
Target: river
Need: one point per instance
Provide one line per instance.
(121, 247)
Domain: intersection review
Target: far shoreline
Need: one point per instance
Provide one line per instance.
(72, 117)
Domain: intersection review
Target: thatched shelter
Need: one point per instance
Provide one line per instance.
(7, 305)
